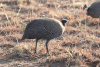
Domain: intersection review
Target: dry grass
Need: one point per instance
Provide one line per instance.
(79, 46)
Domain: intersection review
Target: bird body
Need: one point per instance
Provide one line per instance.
(44, 29)
(93, 10)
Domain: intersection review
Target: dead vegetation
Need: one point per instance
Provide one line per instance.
(79, 46)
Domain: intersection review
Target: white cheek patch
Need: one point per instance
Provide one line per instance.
(86, 8)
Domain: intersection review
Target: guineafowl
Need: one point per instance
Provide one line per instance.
(93, 10)
(47, 28)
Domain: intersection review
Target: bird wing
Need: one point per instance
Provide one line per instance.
(30, 24)
(51, 26)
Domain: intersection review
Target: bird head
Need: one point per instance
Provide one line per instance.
(64, 20)
(85, 7)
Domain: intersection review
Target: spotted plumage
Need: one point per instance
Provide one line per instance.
(93, 10)
(44, 29)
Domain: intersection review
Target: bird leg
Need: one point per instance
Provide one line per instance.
(98, 23)
(36, 46)
(47, 46)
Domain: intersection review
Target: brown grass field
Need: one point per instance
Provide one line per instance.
(79, 45)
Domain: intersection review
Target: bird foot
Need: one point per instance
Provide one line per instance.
(35, 52)
(47, 53)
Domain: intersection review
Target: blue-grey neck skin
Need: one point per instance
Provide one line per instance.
(64, 20)
(87, 8)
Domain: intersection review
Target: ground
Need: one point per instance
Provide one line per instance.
(78, 46)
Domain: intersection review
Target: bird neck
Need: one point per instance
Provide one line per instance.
(63, 22)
